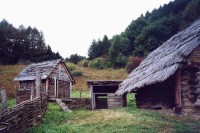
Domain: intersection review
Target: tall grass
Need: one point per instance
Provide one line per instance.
(7, 74)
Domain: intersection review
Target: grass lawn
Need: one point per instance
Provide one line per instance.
(124, 120)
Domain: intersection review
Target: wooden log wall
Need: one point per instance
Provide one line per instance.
(190, 83)
(22, 116)
(190, 88)
(79, 103)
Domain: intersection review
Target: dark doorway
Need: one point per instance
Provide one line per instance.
(101, 101)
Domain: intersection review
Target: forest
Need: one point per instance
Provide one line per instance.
(146, 33)
(23, 45)
(143, 35)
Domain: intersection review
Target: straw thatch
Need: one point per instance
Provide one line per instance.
(45, 69)
(164, 61)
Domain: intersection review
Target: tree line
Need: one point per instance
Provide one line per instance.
(146, 33)
(23, 45)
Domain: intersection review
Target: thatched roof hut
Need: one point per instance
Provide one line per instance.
(164, 61)
(179, 52)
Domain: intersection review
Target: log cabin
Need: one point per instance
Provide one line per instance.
(169, 77)
(56, 80)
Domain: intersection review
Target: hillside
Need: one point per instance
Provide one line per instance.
(146, 33)
(8, 73)
(94, 74)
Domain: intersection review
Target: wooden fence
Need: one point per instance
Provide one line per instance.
(22, 116)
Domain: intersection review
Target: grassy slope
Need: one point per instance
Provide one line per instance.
(7, 74)
(94, 74)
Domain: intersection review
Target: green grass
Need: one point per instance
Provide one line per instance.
(10, 103)
(84, 94)
(123, 120)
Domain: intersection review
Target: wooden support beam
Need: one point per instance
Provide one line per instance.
(55, 86)
(32, 94)
(3, 99)
(92, 97)
(178, 103)
(47, 86)
(38, 82)
(70, 86)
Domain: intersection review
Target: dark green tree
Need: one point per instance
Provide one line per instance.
(75, 58)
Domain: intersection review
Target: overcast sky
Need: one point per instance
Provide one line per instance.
(69, 26)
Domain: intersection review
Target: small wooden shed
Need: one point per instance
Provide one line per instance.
(103, 94)
(56, 80)
(169, 77)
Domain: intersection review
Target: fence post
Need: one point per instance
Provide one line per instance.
(38, 81)
(3, 98)
(32, 94)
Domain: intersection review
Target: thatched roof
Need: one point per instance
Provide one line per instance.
(46, 67)
(164, 61)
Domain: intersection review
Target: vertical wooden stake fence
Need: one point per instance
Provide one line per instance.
(3, 99)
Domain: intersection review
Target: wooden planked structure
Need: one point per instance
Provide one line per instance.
(50, 77)
(103, 94)
(3, 99)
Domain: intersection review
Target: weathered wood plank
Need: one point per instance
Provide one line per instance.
(3, 99)
(62, 105)
(38, 82)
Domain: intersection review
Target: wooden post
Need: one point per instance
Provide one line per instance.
(38, 82)
(178, 103)
(70, 86)
(3, 99)
(32, 94)
(92, 97)
(55, 84)
(47, 86)
(57, 88)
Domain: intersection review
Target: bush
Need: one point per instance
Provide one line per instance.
(77, 73)
(71, 66)
(100, 63)
(83, 63)
(133, 63)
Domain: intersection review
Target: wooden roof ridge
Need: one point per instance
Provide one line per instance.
(163, 62)
(29, 73)
(98, 82)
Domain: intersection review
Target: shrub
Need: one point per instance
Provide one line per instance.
(77, 73)
(100, 63)
(71, 66)
(133, 63)
(83, 63)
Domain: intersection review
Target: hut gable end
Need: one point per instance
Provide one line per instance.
(195, 56)
(60, 73)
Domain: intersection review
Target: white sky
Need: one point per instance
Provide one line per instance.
(69, 26)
